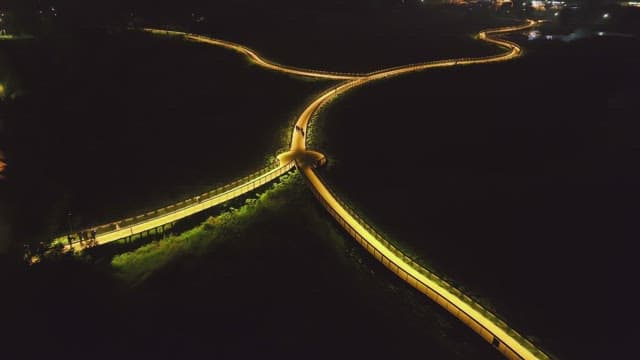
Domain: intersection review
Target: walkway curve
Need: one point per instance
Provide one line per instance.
(510, 343)
(257, 59)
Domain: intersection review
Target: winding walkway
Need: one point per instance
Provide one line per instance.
(486, 324)
(510, 343)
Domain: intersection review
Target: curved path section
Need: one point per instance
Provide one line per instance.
(487, 325)
(254, 57)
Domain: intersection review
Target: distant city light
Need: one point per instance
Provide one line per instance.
(538, 4)
(534, 34)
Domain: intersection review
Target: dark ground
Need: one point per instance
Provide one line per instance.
(515, 179)
(288, 286)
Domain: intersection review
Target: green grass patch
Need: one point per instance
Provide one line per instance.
(136, 266)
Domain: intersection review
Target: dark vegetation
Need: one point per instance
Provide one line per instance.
(515, 179)
(275, 279)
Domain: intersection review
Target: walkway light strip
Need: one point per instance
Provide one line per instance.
(253, 56)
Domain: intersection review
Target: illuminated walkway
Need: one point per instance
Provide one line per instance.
(254, 57)
(487, 325)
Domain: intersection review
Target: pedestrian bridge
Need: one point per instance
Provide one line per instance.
(156, 219)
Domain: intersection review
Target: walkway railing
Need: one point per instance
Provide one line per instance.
(144, 222)
(409, 261)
